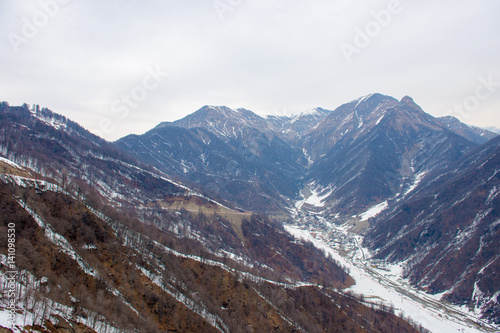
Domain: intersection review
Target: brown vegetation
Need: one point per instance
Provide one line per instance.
(238, 304)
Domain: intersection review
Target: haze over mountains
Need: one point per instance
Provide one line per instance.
(195, 193)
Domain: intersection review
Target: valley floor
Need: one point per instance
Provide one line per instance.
(378, 282)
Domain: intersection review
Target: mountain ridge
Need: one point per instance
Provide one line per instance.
(278, 154)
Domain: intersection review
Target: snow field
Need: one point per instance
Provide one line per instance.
(388, 287)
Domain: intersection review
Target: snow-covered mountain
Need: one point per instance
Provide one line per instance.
(235, 154)
(295, 126)
(365, 152)
(348, 121)
(104, 243)
(447, 232)
(374, 149)
(57, 148)
(224, 122)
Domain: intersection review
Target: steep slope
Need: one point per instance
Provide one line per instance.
(447, 232)
(340, 162)
(294, 127)
(89, 270)
(346, 122)
(234, 153)
(57, 148)
(372, 150)
(91, 169)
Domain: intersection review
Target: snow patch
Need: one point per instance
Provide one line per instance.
(309, 159)
(379, 119)
(374, 211)
(301, 113)
(416, 181)
(36, 310)
(361, 99)
(316, 199)
(61, 242)
(9, 162)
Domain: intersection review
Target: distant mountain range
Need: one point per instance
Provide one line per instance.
(493, 129)
(363, 153)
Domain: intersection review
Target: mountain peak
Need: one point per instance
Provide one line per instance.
(407, 100)
(218, 108)
(313, 111)
(370, 99)
(214, 110)
(222, 121)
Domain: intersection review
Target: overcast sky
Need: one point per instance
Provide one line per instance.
(121, 67)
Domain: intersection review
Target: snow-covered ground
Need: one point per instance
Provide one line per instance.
(417, 180)
(374, 211)
(35, 310)
(9, 162)
(379, 282)
(316, 197)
